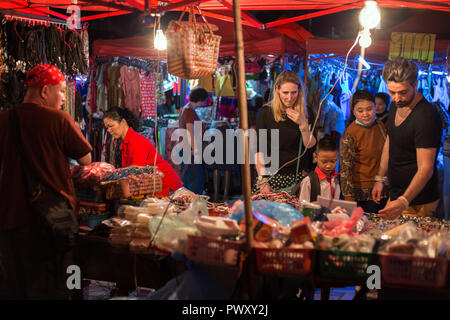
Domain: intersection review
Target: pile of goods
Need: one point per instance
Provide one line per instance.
(87, 180)
(289, 237)
(92, 174)
(282, 197)
(91, 214)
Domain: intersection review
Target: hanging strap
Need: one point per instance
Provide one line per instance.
(298, 155)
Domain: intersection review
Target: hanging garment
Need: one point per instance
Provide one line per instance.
(148, 105)
(69, 102)
(130, 82)
(383, 86)
(440, 93)
(224, 86)
(115, 91)
(102, 95)
(207, 83)
(92, 101)
(226, 107)
(85, 41)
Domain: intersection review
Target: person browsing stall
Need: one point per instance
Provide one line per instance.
(360, 150)
(31, 265)
(410, 151)
(287, 112)
(193, 174)
(382, 101)
(323, 180)
(137, 150)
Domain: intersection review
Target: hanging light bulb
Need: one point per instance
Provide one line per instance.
(365, 40)
(369, 17)
(160, 40)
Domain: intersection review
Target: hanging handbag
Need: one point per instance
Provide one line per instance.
(51, 208)
(192, 48)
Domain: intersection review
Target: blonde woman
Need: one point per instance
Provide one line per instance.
(287, 113)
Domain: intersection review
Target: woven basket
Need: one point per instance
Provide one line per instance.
(192, 49)
(127, 188)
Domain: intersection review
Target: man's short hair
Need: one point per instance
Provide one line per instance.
(327, 143)
(400, 70)
(198, 94)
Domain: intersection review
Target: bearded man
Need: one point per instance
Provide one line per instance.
(410, 151)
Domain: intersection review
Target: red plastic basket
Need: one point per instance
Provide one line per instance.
(285, 260)
(214, 251)
(413, 271)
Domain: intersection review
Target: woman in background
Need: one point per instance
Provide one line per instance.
(193, 174)
(382, 102)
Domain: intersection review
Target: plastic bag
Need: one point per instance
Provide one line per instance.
(337, 227)
(174, 230)
(156, 206)
(345, 242)
(280, 212)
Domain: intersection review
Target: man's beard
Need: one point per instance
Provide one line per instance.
(402, 104)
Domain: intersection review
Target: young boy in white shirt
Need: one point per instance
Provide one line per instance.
(323, 180)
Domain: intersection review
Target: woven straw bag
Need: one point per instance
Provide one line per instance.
(192, 48)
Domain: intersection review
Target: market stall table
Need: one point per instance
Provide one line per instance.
(98, 260)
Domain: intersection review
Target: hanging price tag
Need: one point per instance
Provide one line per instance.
(415, 46)
(74, 21)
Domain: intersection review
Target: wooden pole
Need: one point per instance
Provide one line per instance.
(242, 95)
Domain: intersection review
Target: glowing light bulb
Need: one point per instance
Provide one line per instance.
(365, 40)
(160, 41)
(369, 17)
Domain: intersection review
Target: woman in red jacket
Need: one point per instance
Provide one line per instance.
(136, 149)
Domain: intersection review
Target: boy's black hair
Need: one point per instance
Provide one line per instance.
(327, 143)
(198, 94)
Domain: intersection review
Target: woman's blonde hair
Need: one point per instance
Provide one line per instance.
(276, 104)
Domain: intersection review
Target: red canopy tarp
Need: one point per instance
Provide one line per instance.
(255, 42)
(43, 7)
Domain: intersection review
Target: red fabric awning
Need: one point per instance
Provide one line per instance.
(139, 47)
(222, 5)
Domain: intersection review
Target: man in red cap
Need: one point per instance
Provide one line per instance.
(32, 268)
